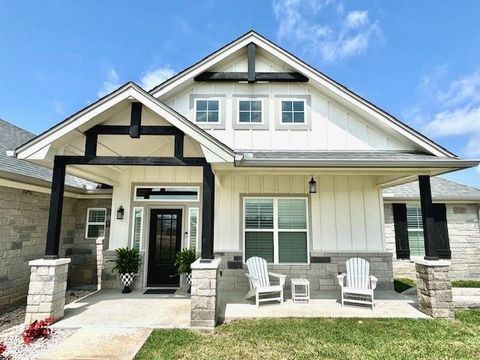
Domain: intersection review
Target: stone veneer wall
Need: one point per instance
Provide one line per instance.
(322, 276)
(23, 228)
(464, 234)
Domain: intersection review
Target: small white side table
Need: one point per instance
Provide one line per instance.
(301, 296)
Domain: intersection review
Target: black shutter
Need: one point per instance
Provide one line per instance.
(401, 231)
(440, 217)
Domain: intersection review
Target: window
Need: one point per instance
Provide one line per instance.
(250, 111)
(415, 231)
(207, 111)
(137, 227)
(293, 111)
(96, 220)
(276, 229)
(193, 227)
(166, 193)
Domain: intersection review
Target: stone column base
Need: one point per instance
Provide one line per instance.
(204, 293)
(434, 288)
(46, 292)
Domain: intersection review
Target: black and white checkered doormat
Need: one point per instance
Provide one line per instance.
(160, 291)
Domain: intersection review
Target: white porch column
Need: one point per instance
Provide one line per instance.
(46, 292)
(434, 288)
(204, 294)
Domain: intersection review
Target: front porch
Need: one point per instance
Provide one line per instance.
(109, 308)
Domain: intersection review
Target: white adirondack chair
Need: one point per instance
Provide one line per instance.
(259, 280)
(357, 285)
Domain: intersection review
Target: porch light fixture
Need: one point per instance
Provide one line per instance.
(312, 186)
(120, 213)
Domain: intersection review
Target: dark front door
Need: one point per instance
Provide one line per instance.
(165, 242)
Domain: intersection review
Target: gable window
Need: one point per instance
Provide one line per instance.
(249, 111)
(207, 111)
(95, 224)
(415, 231)
(293, 111)
(276, 229)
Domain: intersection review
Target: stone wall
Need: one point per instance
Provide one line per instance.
(23, 229)
(322, 271)
(464, 233)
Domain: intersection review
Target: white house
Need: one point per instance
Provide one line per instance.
(225, 157)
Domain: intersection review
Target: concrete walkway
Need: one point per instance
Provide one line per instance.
(110, 308)
(100, 343)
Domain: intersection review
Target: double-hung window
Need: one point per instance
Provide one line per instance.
(250, 111)
(415, 231)
(207, 111)
(96, 222)
(276, 229)
(293, 111)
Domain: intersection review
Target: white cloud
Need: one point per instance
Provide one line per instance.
(459, 111)
(110, 84)
(153, 78)
(342, 36)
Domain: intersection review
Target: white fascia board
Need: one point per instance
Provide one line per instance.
(342, 163)
(313, 74)
(128, 91)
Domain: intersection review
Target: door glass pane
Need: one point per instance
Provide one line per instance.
(292, 214)
(292, 247)
(259, 244)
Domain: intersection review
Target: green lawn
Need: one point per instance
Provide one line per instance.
(402, 284)
(466, 283)
(323, 339)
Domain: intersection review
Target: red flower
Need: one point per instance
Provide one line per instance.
(37, 329)
(3, 348)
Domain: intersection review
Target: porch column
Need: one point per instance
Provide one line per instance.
(429, 232)
(208, 213)
(55, 211)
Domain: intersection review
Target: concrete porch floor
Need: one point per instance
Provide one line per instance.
(110, 308)
(389, 304)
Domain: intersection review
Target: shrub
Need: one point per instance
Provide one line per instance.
(184, 261)
(37, 329)
(466, 283)
(127, 260)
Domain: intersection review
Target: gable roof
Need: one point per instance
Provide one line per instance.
(442, 189)
(312, 73)
(128, 91)
(12, 136)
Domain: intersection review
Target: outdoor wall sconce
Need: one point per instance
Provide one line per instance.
(312, 186)
(120, 213)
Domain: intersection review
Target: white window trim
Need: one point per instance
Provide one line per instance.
(218, 122)
(197, 188)
(304, 112)
(142, 225)
(275, 227)
(190, 210)
(262, 102)
(88, 223)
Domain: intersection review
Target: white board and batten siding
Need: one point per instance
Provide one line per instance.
(333, 126)
(345, 213)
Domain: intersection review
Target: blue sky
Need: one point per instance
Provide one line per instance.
(420, 61)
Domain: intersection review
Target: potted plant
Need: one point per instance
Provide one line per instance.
(183, 263)
(127, 263)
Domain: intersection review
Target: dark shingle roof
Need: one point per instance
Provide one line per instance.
(441, 189)
(11, 137)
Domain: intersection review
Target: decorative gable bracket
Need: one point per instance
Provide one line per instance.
(251, 75)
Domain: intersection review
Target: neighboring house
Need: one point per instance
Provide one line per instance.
(462, 204)
(249, 152)
(24, 204)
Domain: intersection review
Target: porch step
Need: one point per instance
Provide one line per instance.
(466, 302)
